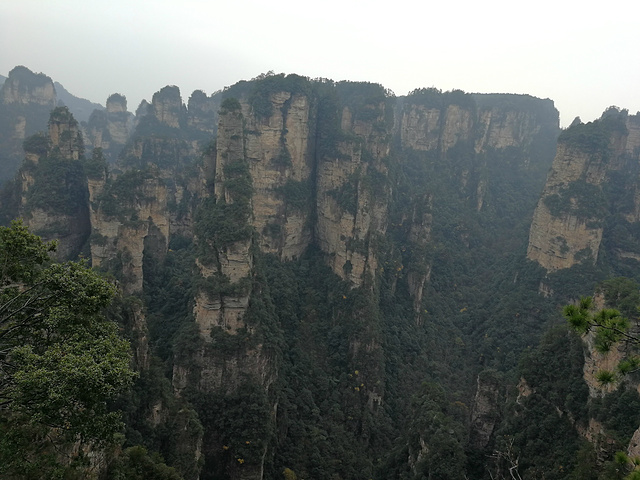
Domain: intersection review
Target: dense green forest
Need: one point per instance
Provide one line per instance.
(321, 280)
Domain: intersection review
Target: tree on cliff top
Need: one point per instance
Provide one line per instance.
(60, 360)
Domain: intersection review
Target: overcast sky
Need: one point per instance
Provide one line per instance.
(582, 57)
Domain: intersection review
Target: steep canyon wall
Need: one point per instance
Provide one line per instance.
(220, 197)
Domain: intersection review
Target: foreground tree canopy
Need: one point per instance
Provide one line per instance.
(60, 360)
(613, 328)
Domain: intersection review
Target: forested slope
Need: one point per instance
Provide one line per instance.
(326, 280)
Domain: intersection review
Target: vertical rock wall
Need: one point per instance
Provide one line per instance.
(276, 183)
(570, 219)
(54, 195)
(279, 153)
(352, 197)
(230, 261)
(109, 129)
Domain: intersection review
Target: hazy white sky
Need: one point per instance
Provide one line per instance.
(583, 57)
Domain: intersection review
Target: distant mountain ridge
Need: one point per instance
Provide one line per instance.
(26, 100)
(80, 107)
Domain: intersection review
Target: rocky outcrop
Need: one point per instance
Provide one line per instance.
(461, 133)
(167, 107)
(54, 194)
(125, 212)
(633, 450)
(64, 134)
(486, 409)
(231, 260)
(118, 119)
(25, 87)
(513, 121)
(420, 127)
(280, 160)
(26, 99)
(423, 127)
(432, 121)
(568, 224)
(555, 240)
(135, 212)
(202, 113)
(558, 243)
(109, 129)
(352, 196)
(293, 167)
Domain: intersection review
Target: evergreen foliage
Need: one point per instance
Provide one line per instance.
(595, 137)
(60, 360)
(38, 144)
(297, 194)
(137, 464)
(120, 194)
(540, 420)
(579, 198)
(434, 98)
(59, 185)
(96, 167)
(364, 382)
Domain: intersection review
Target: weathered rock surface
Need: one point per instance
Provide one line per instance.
(308, 180)
(67, 221)
(486, 410)
(574, 232)
(26, 99)
(109, 129)
(203, 113)
(25, 87)
(167, 107)
(557, 243)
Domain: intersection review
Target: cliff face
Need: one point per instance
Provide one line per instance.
(229, 258)
(24, 87)
(365, 195)
(145, 200)
(109, 129)
(202, 113)
(571, 217)
(352, 198)
(53, 190)
(121, 234)
(300, 167)
(279, 153)
(487, 121)
(167, 107)
(26, 100)
(463, 135)
(486, 410)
